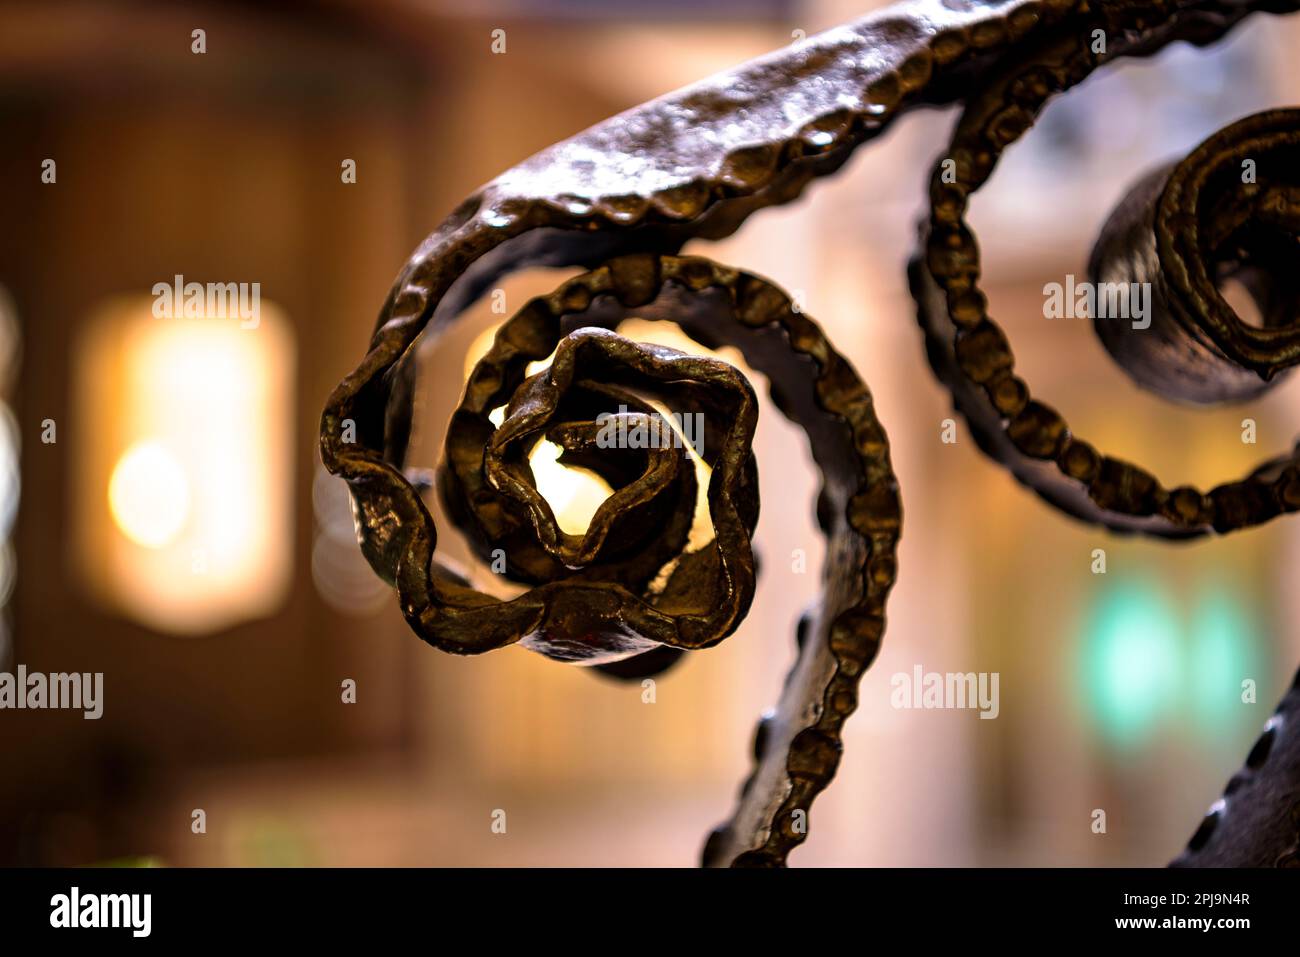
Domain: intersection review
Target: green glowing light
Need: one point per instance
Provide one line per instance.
(1130, 660)
(1222, 655)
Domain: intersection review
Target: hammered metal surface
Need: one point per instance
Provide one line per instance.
(1257, 821)
(619, 200)
(971, 354)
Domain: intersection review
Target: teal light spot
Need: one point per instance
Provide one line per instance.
(1222, 655)
(1130, 661)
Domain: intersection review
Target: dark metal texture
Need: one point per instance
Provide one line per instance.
(619, 200)
(1257, 821)
(1184, 230)
(971, 354)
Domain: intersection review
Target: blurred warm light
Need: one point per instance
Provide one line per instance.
(478, 348)
(10, 477)
(342, 576)
(670, 335)
(184, 432)
(10, 480)
(574, 494)
(149, 495)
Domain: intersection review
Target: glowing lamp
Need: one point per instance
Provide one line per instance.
(183, 439)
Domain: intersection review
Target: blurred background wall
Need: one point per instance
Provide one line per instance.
(224, 653)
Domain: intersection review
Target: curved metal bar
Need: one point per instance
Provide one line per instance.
(971, 354)
(620, 199)
(1257, 821)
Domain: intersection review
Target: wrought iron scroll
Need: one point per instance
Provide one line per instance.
(620, 200)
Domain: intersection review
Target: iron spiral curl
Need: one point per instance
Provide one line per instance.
(620, 199)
